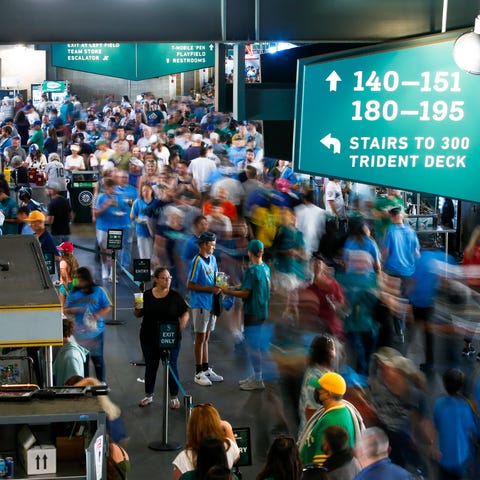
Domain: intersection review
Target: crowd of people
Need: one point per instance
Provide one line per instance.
(324, 284)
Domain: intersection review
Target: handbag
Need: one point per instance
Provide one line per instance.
(217, 307)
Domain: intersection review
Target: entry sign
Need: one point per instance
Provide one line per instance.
(141, 269)
(400, 114)
(114, 239)
(242, 437)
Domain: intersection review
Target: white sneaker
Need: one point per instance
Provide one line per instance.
(253, 385)
(246, 380)
(145, 401)
(202, 379)
(105, 273)
(212, 376)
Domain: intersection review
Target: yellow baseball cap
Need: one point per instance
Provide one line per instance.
(35, 216)
(331, 382)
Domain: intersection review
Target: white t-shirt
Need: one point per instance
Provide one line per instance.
(234, 189)
(37, 163)
(333, 191)
(201, 168)
(162, 155)
(74, 163)
(185, 463)
(311, 222)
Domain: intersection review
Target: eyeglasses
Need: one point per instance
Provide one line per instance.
(164, 278)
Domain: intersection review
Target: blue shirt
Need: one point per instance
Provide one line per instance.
(202, 272)
(357, 263)
(384, 470)
(128, 192)
(66, 112)
(90, 303)
(402, 246)
(456, 427)
(26, 229)
(48, 244)
(143, 209)
(289, 175)
(113, 216)
(427, 275)
(237, 154)
(191, 249)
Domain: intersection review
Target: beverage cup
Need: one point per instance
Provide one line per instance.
(138, 300)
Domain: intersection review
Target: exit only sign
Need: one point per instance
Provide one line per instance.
(400, 114)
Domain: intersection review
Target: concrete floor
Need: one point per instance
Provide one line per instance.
(241, 409)
(266, 412)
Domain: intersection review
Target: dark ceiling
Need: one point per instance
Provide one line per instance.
(47, 21)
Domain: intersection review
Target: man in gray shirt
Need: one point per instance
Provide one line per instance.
(13, 150)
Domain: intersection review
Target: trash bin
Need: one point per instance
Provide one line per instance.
(81, 195)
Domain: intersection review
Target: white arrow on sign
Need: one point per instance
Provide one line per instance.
(333, 78)
(330, 141)
(211, 46)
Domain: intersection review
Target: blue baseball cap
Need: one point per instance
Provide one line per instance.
(206, 237)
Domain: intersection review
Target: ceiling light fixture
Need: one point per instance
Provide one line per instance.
(466, 50)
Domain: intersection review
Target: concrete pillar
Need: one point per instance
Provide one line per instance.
(188, 82)
(239, 81)
(219, 74)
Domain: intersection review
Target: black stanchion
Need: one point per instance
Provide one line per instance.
(164, 445)
(188, 404)
(114, 320)
(139, 363)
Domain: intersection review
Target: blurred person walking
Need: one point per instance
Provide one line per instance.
(89, 305)
(255, 292)
(471, 264)
(142, 215)
(397, 390)
(110, 212)
(400, 254)
(322, 353)
(457, 427)
(427, 277)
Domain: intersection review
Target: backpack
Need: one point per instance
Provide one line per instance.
(118, 462)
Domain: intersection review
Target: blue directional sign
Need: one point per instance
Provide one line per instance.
(400, 115)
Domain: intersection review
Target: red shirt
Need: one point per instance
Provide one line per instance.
(326, 317)
(474, 260)
(229, 209)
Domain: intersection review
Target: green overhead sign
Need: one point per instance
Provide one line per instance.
(54, 86)
(401, 115)
(134, 61)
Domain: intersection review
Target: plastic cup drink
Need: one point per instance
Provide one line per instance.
(222, 280)
(138, 300)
